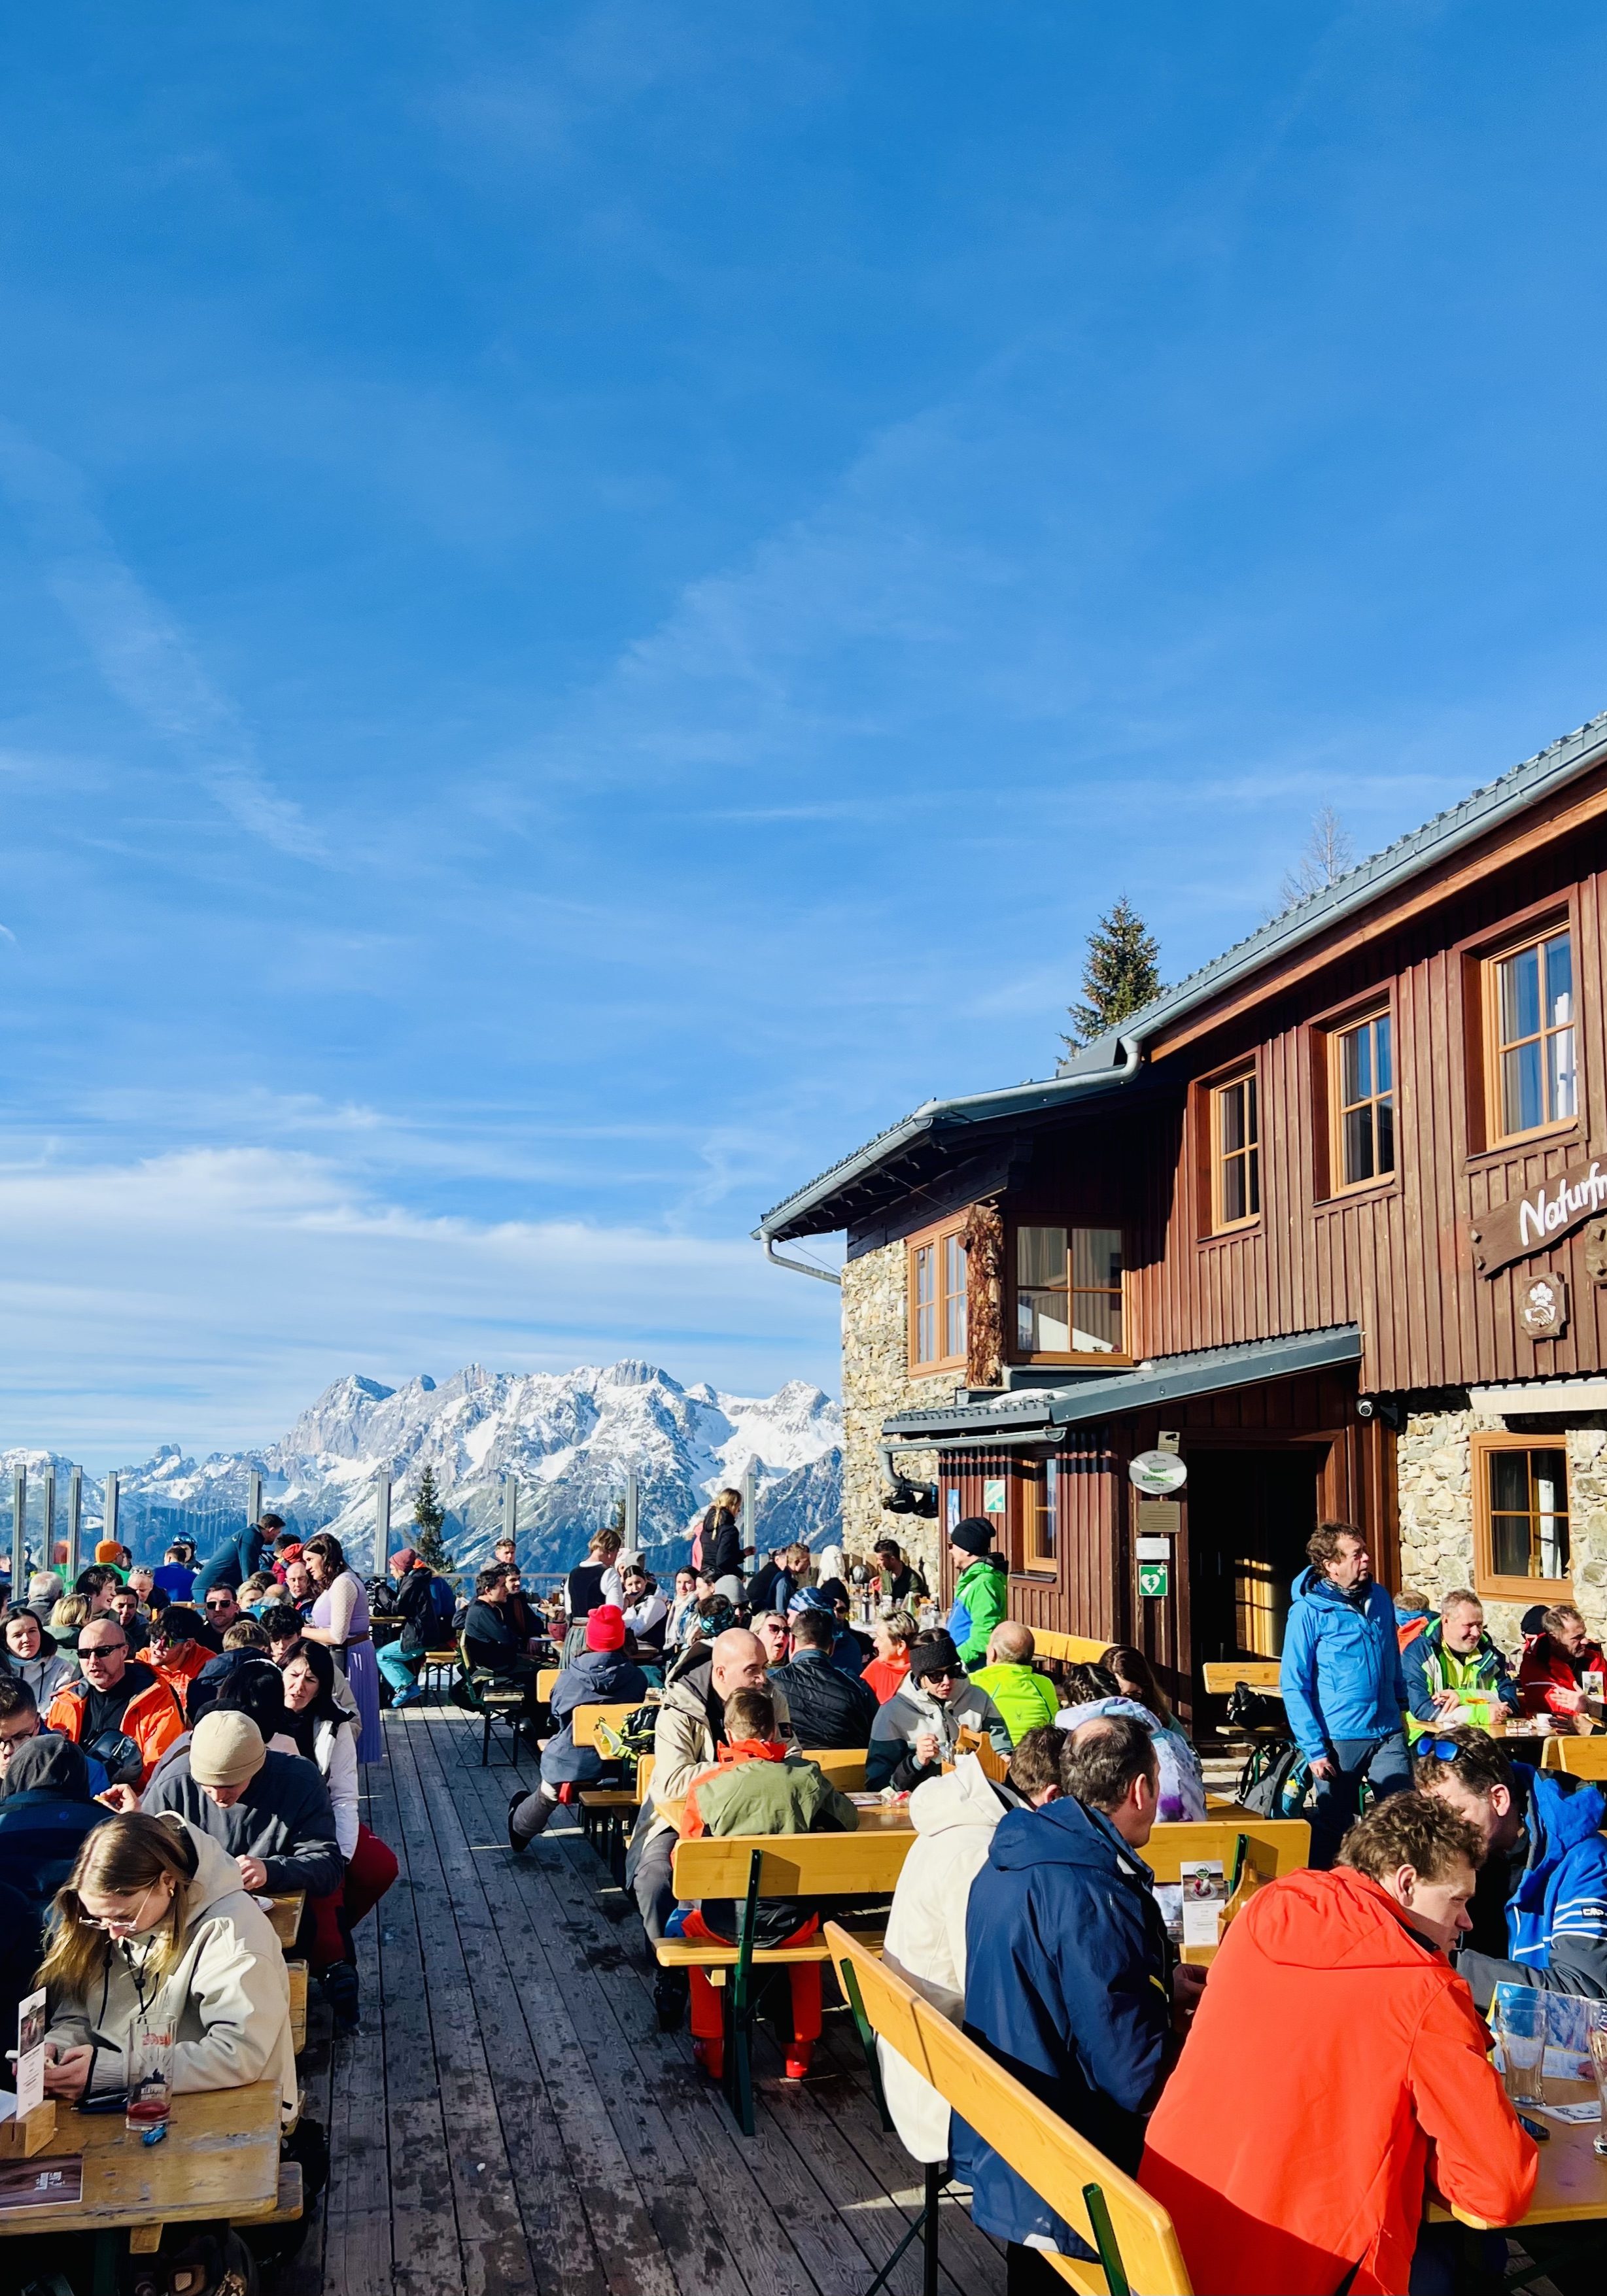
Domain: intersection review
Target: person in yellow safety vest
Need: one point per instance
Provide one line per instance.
(1454, 1672)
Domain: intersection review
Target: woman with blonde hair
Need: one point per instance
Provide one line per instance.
(716, 1551)
(154, 1922)
(596, 1580)
(66, 1618)
(340, 1620)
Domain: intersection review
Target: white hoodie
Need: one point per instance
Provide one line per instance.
(228, 1993)
(954, 1817)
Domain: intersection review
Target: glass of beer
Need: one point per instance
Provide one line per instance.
(149, 2075)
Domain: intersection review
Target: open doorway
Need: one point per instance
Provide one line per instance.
(1249, 1514)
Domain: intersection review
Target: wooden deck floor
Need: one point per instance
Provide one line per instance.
(511, 2118)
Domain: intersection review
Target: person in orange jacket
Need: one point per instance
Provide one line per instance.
(1336, 2059)
(122, 1712)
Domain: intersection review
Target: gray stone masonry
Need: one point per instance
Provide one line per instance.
(1435, 1480)
(875, 1383)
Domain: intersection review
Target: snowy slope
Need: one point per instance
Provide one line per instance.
(567, 1439)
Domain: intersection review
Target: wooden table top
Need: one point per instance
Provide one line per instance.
(221, 2158)
(285, 1914)
(1572, 2184)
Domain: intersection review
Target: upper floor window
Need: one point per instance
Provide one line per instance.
(1041, 1517)
(937, 1297)
(1529, 1016)
(1068, 1291)
(1362, 1087)
(1236, 1127)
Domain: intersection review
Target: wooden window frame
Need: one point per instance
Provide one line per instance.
(1211, 1092)
(1104, 1357)
(1534, 930)
(1335, 1033)
(1488, 1582)
(1034, 1562)
(935, 1239)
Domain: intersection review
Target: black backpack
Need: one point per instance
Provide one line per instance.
(1276, 1782)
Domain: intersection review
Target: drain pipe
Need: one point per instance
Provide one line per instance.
(800, 1266)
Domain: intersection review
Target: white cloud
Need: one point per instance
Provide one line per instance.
(204, 1296)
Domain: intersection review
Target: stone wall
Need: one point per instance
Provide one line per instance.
(1435, 1479)
(876, 1383)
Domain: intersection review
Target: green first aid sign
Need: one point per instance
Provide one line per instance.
(993, 1495)
(1154, 1579)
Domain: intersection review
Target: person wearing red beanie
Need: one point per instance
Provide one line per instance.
(602, 1675)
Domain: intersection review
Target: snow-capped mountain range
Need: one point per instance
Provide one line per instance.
(568, 1441)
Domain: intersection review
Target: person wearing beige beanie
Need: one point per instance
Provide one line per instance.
(270, 1811)
(227, 1751)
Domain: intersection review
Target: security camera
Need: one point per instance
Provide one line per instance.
(1365, 1408)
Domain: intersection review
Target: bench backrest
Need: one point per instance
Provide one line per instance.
(1069, 1650)
(994, 1765)
(1222, 1675)
(1273, 1846)
(546, 1681)
(1580, 1758)
(584, 1719)
(1058, 2163)
(845, 1767)
(793, 1864)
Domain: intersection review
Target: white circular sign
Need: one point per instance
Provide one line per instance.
(1158, 1472)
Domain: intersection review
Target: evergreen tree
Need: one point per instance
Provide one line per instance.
(427, 1516)
(1122, 973)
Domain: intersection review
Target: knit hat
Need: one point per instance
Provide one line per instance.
(810, 1598)
(403, 1559)
(934, 1657)
(974, 1536)
(225, 1749)
(109, 1549)
(605, 1628)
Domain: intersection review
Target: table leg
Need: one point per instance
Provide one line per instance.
(106, 2247)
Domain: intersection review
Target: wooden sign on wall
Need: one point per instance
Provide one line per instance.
(1533, 1223)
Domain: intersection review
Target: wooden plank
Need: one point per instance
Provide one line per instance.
(220, 2159)
(793, 1866)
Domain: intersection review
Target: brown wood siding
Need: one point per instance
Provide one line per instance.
(1396, 1258)
(1085, 1593)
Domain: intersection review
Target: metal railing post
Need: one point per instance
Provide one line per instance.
(19, 1535)
(382, 1524)
(75, 1524)
(108, 1527)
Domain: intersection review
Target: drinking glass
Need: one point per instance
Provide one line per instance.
(1598, 2058)
(1522, 2026)
(150, 2075)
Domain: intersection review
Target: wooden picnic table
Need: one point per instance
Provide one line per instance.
(878, 1817)
(219, 2158)
(1572, 2185)
(284, 1912)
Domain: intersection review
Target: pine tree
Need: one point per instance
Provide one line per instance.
(1122, 973)
(427, 1516)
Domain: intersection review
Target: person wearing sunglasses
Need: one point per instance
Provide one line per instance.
(122, 1712)
(156, 1920)
(916, 1731)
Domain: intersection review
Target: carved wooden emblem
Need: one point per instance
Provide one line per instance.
(1595, 1252)
(1543, 1305)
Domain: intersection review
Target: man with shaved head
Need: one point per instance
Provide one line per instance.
(689, 1731)
(1024, 1697)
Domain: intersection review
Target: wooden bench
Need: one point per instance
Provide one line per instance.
(1251, 1851)
(1068, 1650)
(844, 1766)
(296, 1971)
(747, 1867)
(493, 1702)
(994, 1765)
(585, 1721)
(285, 1914)
(1224, 1675)
(1579, 1757)
(1132, 2234)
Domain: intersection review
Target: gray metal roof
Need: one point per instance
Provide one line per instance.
(1168, 1379)
(1112, 1060)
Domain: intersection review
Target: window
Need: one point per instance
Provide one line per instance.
(1068, 1291)
(1362, 1087)
(1235, 1152)
(1042, 1511)
(1521, 1517)
(1529, 1001)
(937, 1297)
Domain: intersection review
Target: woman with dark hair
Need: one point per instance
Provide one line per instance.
(340, 1620)
(324, 1729)
(1135, 1678)
(32, 1656)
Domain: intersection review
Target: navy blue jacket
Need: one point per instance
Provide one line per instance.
(1340, 1674)
(40, 1837)
(596, 1678)
(232, 1565)
(1066, 1985)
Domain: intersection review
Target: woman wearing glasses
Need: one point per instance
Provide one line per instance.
(154, 1923)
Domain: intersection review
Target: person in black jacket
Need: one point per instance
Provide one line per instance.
(828, 1707)
(604, 1675)
(271, 1812)
(720, 1556)
(490, 1641)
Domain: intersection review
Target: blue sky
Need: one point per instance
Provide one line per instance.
(593, 598)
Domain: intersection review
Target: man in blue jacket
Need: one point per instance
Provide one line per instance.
(1066, 1971)
(1342, 1685)
(1539, 1912)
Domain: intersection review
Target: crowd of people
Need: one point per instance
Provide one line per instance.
(177, 1747)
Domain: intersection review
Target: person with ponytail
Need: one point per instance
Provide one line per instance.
(155, 1921)
(325, 1731)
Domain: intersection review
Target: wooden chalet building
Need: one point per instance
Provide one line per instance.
(1329, 1218)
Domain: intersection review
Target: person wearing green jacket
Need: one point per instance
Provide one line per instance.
(979, 1590)
(1025, 1698)
(1454, 1672)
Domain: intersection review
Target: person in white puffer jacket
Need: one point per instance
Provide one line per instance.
(954, 1817)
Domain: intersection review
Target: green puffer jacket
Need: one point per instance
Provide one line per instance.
(750, 1794)
(980, 1595)
(1026, 1700)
